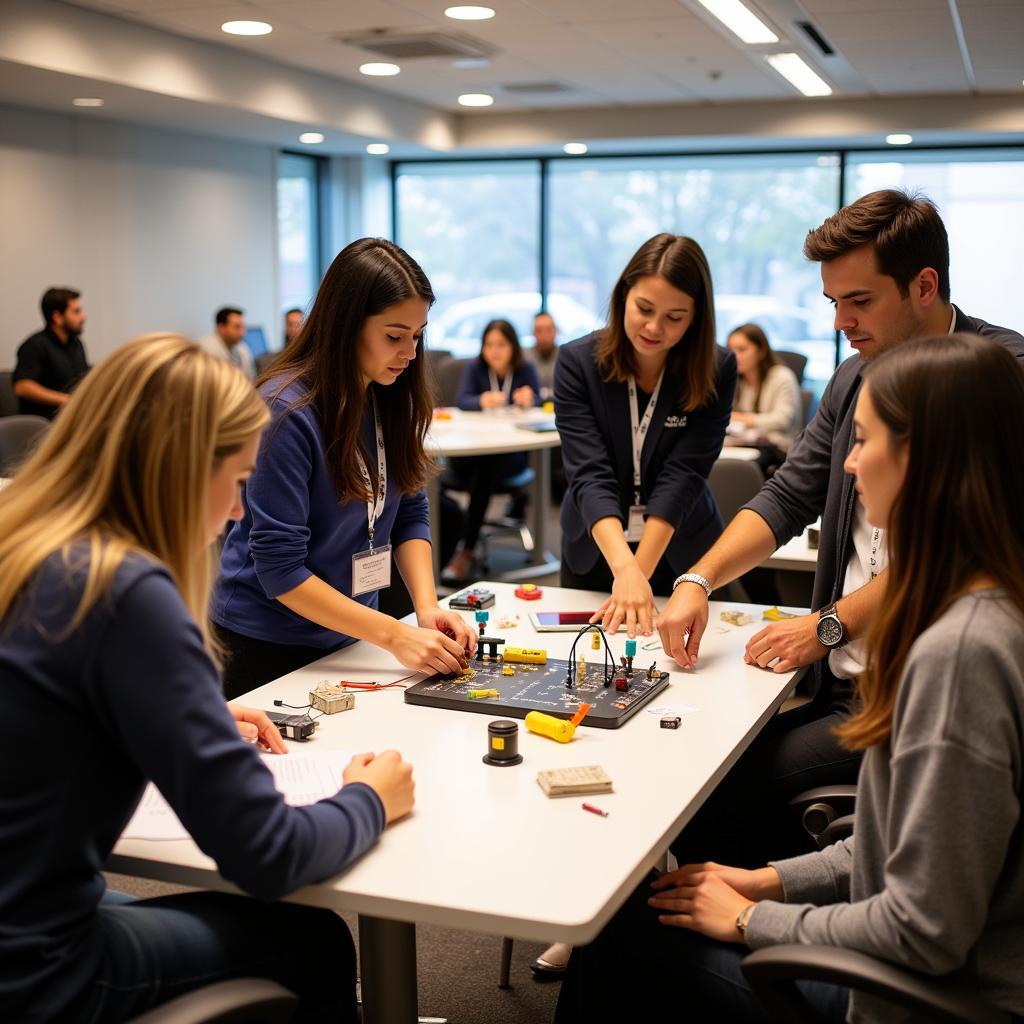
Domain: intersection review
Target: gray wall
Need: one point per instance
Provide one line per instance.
(155, 228)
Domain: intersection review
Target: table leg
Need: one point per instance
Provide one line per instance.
(540, 502)
(434, 503)
(387, 970)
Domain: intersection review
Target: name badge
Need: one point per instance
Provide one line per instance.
(635, 523)
(371, 570)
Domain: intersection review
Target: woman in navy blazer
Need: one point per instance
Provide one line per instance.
(618, 537)
(499, 377)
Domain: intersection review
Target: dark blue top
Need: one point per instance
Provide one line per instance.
(592, 415)
(476, 380)
(294, 527)
(129, 695)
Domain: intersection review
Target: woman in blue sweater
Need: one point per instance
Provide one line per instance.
(499, 378)
(337, 497)
(105, 538)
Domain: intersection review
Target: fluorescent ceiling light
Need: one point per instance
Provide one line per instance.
(378, 148)
(246, 28)
(475, 99)
(575, 148)
(469, 13)
(87, 101)
(379, 69)
(463, 63)
(899, 139)
(799, 74)
(311, 138)
(740, 20)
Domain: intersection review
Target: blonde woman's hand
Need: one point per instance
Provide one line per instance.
(389, 777)
(256, 727)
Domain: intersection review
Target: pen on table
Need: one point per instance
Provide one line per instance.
(595, 810)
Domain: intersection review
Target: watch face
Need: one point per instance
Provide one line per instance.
(830, 630)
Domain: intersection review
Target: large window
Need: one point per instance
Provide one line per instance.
(298, 231)
(475, 229)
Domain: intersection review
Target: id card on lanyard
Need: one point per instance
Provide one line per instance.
(371, 569)
(506, 387)
(637, 511)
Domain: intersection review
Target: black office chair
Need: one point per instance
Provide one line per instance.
(18, 436)
(8, 399)
(448, 374)
(733, 483)
(806, 405)
(240, 1001)
(774, 971)
(826, 812)
(796, 361)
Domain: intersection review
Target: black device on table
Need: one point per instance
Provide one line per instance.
(471, 600)
(293, 727)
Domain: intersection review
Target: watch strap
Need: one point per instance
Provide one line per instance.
(743, 919)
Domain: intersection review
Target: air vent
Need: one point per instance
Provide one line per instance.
(535, 88)
(410, 45)
(816, 37)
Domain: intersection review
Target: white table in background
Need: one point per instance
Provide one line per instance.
(739, 454)
(484, 849)
(797, 555)
(497, 432)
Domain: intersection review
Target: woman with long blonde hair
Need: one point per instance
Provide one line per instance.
(105, 573)
(933, 877)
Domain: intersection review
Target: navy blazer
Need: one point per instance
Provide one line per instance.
(592, 416)
(475, 381)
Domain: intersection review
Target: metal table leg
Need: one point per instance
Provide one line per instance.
(541, 561)
(387, 969)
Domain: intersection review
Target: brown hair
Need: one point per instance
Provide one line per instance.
(681, 262)
(904, 227)
(952, 402)
(766, 357)
(366, 277)
(509, 333)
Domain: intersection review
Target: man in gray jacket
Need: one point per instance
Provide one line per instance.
(885, 267)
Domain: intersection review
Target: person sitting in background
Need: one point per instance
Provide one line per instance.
(767, 396)
(498, 378)
(51, 362)
(933, 877)
(292, 325)
(104, 587)
(228, 340)
(544, 353)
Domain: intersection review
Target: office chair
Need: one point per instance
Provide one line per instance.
(733, 483)
(8, 399)
(773, 972)
(796, 361)
(18, 436)
(827, 814)
(239, 1001)
(449, 377)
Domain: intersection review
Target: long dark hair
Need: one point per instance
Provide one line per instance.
(957, 404)
(681, 262)
(508, 332)
(366, 277)
(766, 359)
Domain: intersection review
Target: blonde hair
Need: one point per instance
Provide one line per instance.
(125, 469)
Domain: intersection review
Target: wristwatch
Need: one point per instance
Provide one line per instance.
(743, 919)
(831, 632)
(693, 577)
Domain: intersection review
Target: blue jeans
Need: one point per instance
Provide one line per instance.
(155, 950)
(640, 970)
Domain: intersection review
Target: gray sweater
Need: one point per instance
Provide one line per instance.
(935, 881)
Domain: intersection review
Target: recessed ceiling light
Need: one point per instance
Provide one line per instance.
(379, 69)
(740, 20)
(465, 63)
(378, 148)
(87, 101)
(799, 74)
(311, 138)
(247, 28)
(575, 148)
(475, 99)
(899, 139)
(469, 13)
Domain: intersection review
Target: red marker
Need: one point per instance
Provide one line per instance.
(595, 810)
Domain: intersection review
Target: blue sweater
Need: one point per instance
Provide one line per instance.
(475, 381)
(130, 695)
(294, 527)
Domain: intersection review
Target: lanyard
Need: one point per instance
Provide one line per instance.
(640, 427)
(506, 388)
(374, 508)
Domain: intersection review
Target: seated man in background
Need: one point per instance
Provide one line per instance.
(51, 362)
(228, 340)
(544, 353)
(292, 325)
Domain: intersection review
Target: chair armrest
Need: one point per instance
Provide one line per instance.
(773, 972)
(839, 828)
(228, 1002)
(826, 795)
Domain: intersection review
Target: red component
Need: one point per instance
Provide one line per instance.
(529, 592)
(621, 684)
(472, 599)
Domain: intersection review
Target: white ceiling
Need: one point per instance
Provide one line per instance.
(628, 52)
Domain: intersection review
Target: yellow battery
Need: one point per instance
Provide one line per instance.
(522, 655)
(547, 725)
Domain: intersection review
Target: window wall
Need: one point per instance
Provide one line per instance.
(298, 234)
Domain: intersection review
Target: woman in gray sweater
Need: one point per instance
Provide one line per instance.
(933, 879)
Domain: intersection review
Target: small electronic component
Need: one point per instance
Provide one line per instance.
(502, 744)
(481, 694)
(472, 599)
(293, 727)
(595, 640)
(331, 699)
(507, 622)
(468, 673)
(621, 683)
(571, 781)
(507, 670)
(736, 618)
(526, 656)
(581, 670)
(813, 538)
(670, 721)
(776, 614)
(529, 592)
(650, 672)
(557, 729)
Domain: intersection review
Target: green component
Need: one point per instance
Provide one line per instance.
(482, 616)
(630, 648)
